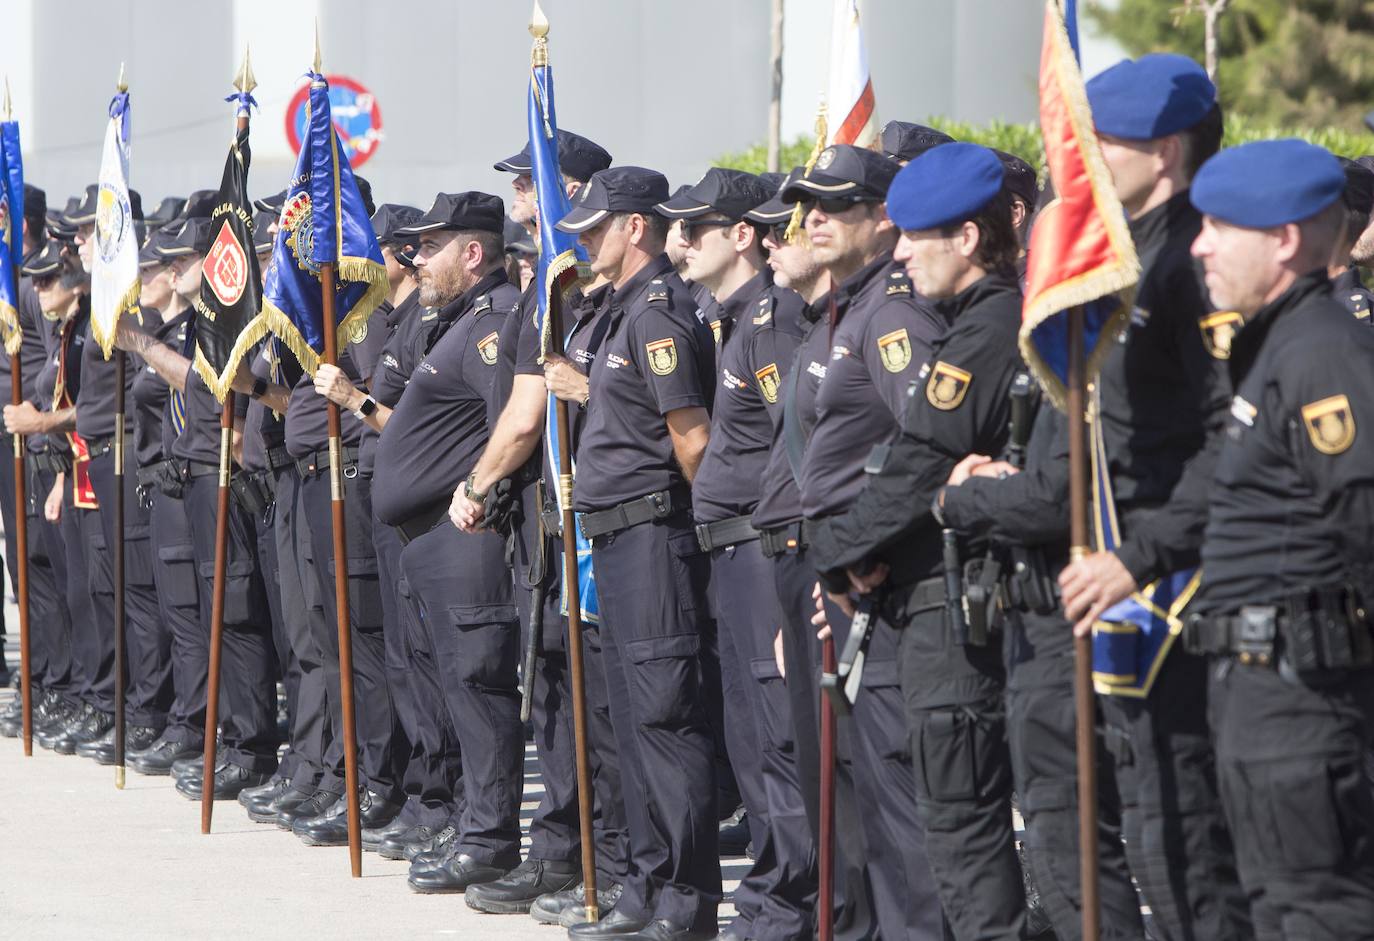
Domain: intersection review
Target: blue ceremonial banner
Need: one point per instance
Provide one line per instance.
(11, 233)
(323, 220)
(559, 258)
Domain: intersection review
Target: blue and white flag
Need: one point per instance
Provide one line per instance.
(115, 284)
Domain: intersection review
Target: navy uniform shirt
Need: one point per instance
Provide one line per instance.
(1292, 500)
(262, 428)
(150, 390)
(764, 329)
(39, 361)
(72, 335)
(519, 352)
(439, 427)
(957, 405)
(882, 336)
(307, 415)
(32, 351)
(588, 333)
(200, 439)
(779, 496)
(95, 407)
(656, 357)
(400, 354)
(1348, 288)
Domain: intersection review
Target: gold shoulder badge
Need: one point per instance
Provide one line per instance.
(662, 356)
(1218, 330)
(898, 283)
(487, 347)
(1330, 424)
(947, 386)
(895, 349)
(715, 331)
(768, 382)
(658, 291)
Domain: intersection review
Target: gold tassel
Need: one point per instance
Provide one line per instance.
(127, 304)
(822, 132)
(9, 326)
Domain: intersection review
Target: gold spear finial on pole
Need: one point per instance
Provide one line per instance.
(245, 81)
(120, 84)
(317, 46)
(539, 23)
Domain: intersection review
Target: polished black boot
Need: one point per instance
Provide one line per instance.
(95, 726)
(515, 892)
(569, 906)
(331, 827)
(267, 806)
(229, 779)
(455, 874)
(157, 760)
(316, 804)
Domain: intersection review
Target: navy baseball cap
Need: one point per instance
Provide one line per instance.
(902, 140)
(198, 205)
(518, 239)
(262, 235)
(578, 157)
(1020, 177)
(615, 189)
(166, 211)
(1268, 183)
(57, 220)
(390, 218)
(85, 211)
(731, 193)
(1359, 187)
(466, 212)
(47, 260)
(148, 255)
(193, 238)
(945, 185)
(777, 209)
(271, 203)
(1154, 96)
(844, 170)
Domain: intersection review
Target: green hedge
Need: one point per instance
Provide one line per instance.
(1024, 141)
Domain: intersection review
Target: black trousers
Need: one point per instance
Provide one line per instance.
(380, 749)
(651, 584)
(288, 669)
(92, 635)
(463, 591)
(1041, 730)
(304, 626)
(148, 669)
(178, 595)
(50, 624)
(386, 543)
(776, 896)
(7, 510)
(248, 688)
(1177, 842)
(1290, 758)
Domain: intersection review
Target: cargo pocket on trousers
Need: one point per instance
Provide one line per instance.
(488, 644)
(959, 754)
(99, 578)
(1320, 811)
(881, 686)
(691, 571)
(138, 557)
(776, 721)
(178, 585)
(664, 680)
(242, 590)
(364, 593)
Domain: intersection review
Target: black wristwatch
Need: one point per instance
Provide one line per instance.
(365, 408)
(259, 388)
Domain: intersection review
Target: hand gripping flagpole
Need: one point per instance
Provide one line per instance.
(539, 29)
(21, 522)
(245, 83)
(336, 491)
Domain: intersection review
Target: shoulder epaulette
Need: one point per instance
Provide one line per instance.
(764, 312)
(482, 304)
(898, 283)
(658, 292)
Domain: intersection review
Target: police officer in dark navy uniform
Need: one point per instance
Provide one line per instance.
(760, 329)
(517, 418)
(1161, 394)
(647, 424)
(1286, 569)
(880, 332)
(1347, 285)
(428, 444)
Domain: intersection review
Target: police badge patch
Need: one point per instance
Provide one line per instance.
(947, 386)
(112, 214)
(826, 158)
(768, 382)
(487, 348)
(1330, 424)
(895, 349)
(297, 219)
(1218, 330)
(662, 356)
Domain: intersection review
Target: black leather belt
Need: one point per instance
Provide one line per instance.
(780, 540)
(735, 531)
(422, 522)
(317, 462)
(196, 469)
(924, 595)
(53, 462)
(653, 507)
(99, 447)
(277, 458)
(1323, 629)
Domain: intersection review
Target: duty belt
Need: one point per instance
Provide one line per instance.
(99, 447)
(195, 469)
(317, 462)
(653, 507)
(423, 521)
(277, 458)
(1324, 629)
(780, 540)
(54, 462)
(735, 531)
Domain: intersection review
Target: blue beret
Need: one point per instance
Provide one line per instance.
(1268, 183)
(944, 185)
(1154, 96)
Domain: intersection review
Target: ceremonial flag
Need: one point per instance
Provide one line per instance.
(230, 293)
(852, 116)
(115, 284)
(323, 220)
(1081, 253)
(560, 258)
(11, 233)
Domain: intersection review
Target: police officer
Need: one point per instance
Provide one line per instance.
(880, 325)
(428, 444)
(1161, 394)
(518, 417)
(647, 425)
(1358, 199)
(1286, 568)
(760, 328)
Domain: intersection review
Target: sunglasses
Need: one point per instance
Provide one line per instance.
(830, 205)
(691, 228)
(42, 282)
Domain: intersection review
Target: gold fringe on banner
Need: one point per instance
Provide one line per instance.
(128, 304)
(822, 132)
